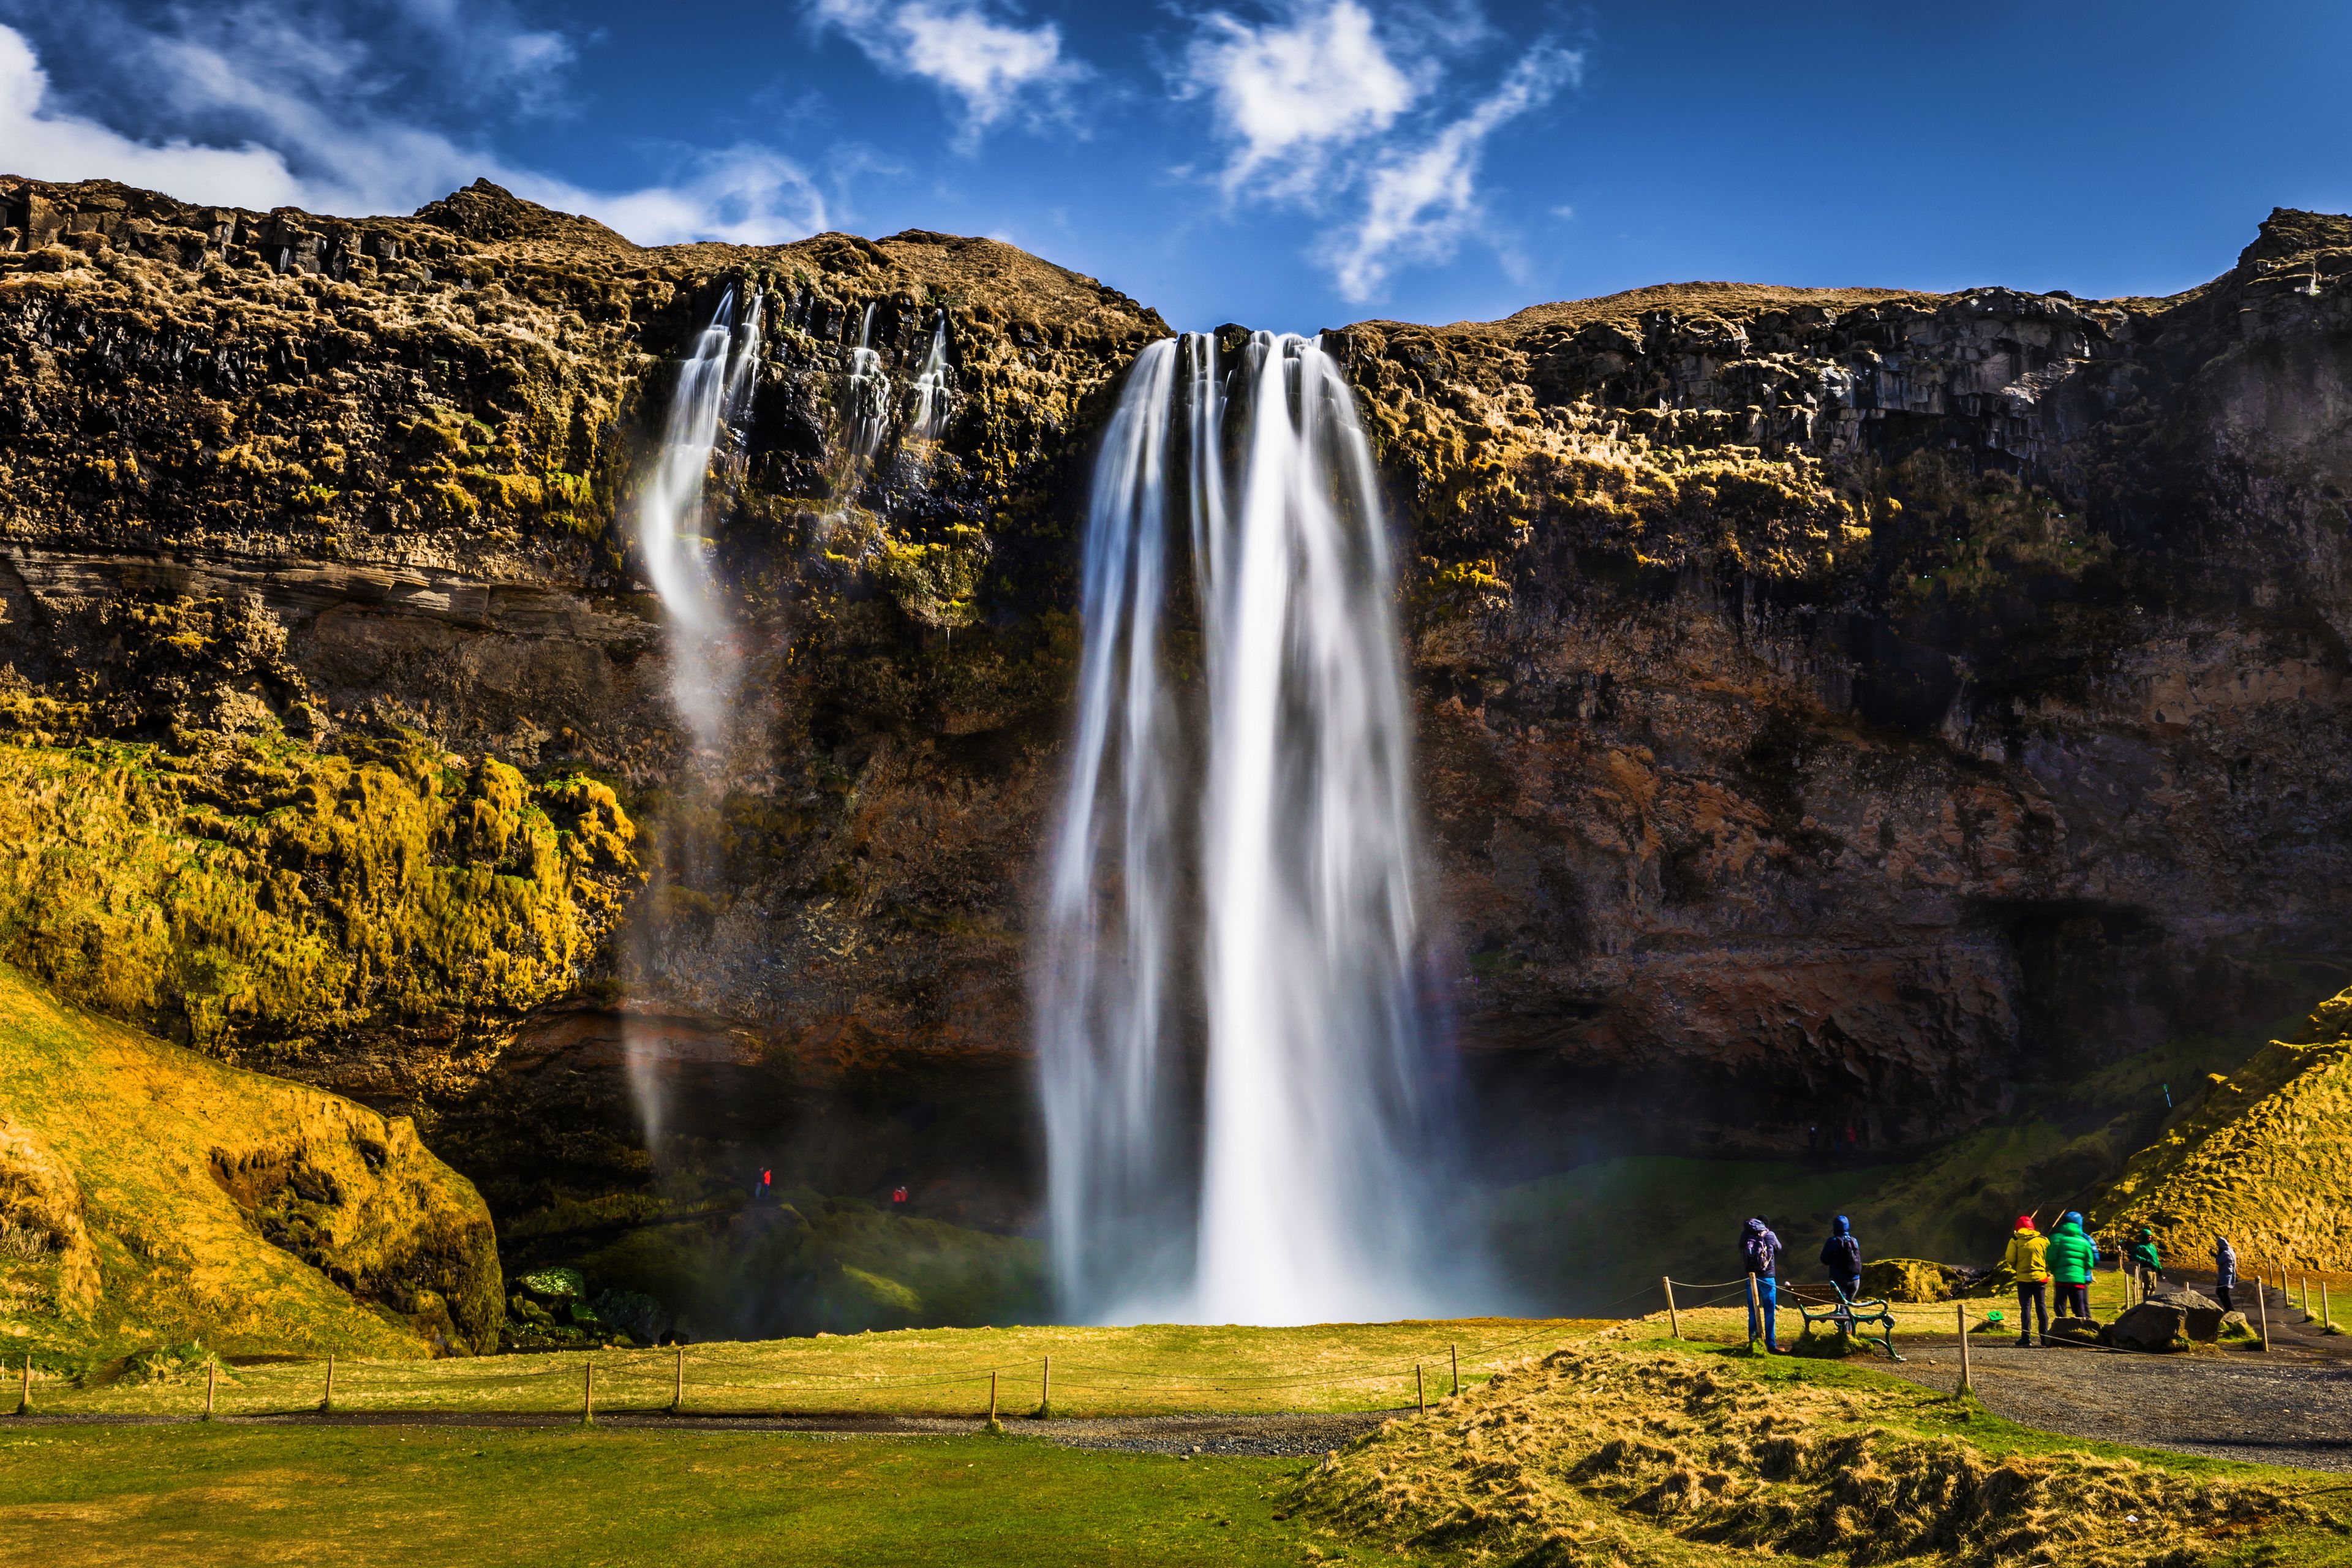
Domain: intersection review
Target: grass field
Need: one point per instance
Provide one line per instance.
(76, 1498)
(1163, 1369)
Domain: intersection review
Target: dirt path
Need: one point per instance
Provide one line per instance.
(1263, 1435)
(2283, 1410)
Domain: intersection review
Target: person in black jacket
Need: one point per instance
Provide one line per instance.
(1842, 1255)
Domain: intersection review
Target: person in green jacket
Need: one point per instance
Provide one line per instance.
(2143, 1257)
(2072, 1257)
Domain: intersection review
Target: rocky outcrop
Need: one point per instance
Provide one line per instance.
(1831, 703)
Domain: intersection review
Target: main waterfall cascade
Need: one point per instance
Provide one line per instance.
(1251, 968)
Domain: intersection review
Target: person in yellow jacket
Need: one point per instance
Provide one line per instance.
(2028, 1259)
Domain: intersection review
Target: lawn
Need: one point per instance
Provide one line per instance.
(1156, 1369)
(87, 1495)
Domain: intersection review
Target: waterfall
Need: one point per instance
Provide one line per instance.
(1252, 972)
(708, 408)
(865, 404)
(714, 391)
(931, 386)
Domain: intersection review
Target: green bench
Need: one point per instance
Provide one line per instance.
(1849, 1318)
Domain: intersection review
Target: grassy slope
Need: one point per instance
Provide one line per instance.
(2263, 1158)
(1597, 1238)
(1657, 1454)
(120, 1151)
(238, 1496)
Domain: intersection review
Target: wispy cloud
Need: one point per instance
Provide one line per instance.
(1420, 203)
(1320, 112)
(991, 68)
(1290, 97)
(272, 103)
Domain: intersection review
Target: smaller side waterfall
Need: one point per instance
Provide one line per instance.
(865, 401)
(715, 385)
(931, 386)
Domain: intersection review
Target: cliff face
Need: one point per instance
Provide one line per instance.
(1829, 700)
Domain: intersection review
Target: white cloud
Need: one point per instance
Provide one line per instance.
(1419, 204)
(61, 147)
(1319, 115)
(1290, 96)
(310, 133)
(993, 68)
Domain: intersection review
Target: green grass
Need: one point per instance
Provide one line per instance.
(1160, 1369)
(87, 1496)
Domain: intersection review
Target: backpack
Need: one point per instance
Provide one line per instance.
(1844, 1254)
(1756, 1252)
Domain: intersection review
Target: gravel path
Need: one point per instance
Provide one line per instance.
(1263, 1435)
(2235, 1407)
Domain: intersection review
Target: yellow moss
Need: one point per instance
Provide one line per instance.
(201, 1202)
(268, 895)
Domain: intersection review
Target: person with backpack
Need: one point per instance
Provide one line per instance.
(1759, 1253)
(2028, 1261)
(1842, 1255)
(2143, 1257)
(2225, 1271)
(2072, 1257)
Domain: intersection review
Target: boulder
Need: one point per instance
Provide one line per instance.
(2152, 1325)
(1910, 1280)
(2202, 1314)
(2077, 1331)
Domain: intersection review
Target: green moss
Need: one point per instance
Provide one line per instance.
(264, 896)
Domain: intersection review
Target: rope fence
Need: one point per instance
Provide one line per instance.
(666, 1382)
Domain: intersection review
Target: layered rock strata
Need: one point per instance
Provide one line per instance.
(1831, 702)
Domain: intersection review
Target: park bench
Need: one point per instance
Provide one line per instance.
(1848, 1316)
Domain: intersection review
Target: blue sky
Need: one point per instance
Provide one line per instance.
(1290, 165)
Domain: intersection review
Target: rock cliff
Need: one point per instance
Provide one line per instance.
(1830, 702)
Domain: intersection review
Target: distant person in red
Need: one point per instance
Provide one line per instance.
(898, 1199)
(767, 1184)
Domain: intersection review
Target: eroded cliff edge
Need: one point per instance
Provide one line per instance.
(1835, 705)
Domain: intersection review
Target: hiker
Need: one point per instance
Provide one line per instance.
(767, 1185)
(1759, 1253)
(2225, 1271)
(2028, 1259)
(2145, 1258)
(2072, 1257)
(1842, 1255)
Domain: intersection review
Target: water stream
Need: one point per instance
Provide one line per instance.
(1244, 1108)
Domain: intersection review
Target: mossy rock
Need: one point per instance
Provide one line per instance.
(1910, 1280)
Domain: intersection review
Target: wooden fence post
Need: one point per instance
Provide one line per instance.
(212, 1382)
(2327, 1314)
(1046, 1393)
(1420, 1395)
(1960, 1310)
(25, 1389)
(2306, 1279)
(1674, 1318)
(588, 1392)
(1754, 1311)
(2263, 1306)
(992, 1401)
(677, 1388)
(1454, 1353)
(327, 1400)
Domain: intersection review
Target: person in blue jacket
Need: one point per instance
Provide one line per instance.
(1842, 1255)
(1760, 1254)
